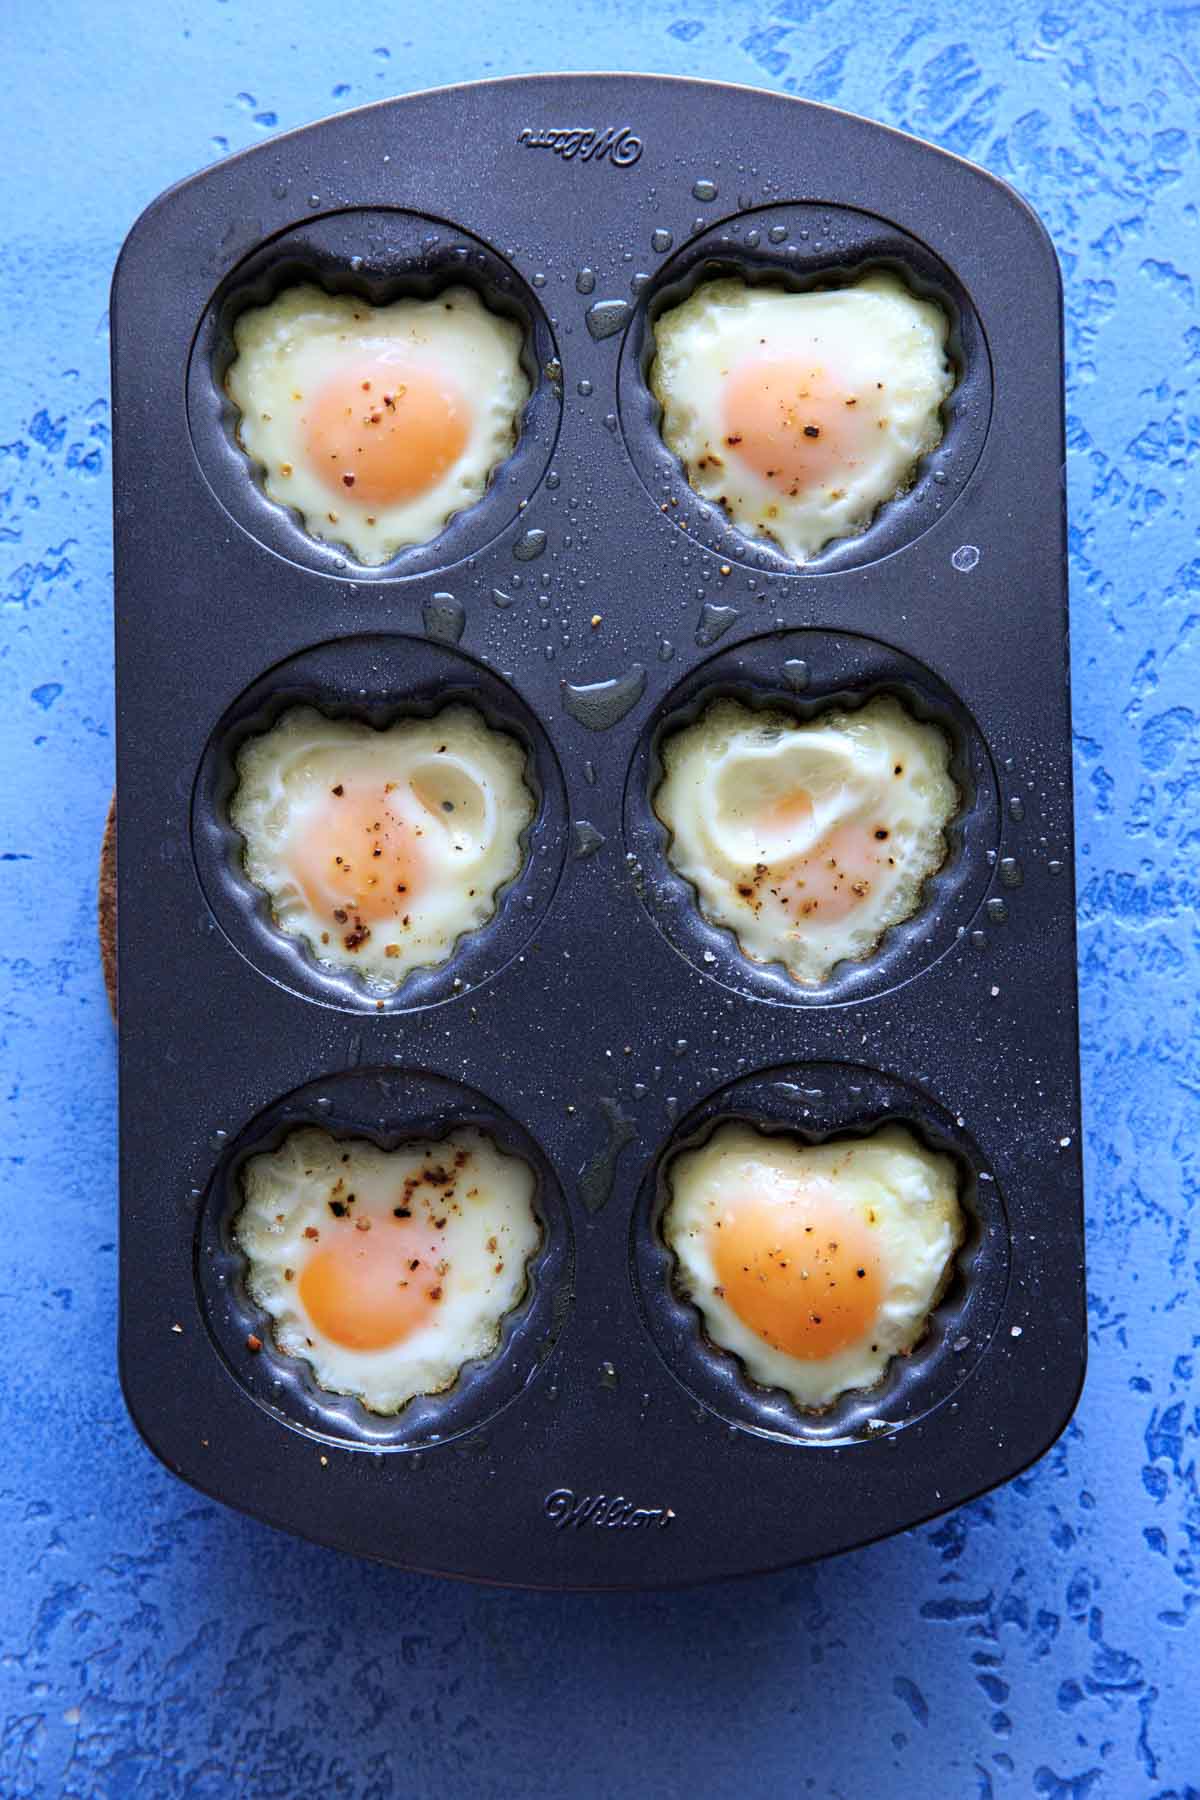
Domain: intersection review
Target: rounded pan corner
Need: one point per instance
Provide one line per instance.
(133, 1394)
(1028, 218)
(146, 224)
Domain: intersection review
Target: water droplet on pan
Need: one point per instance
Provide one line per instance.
(965, 558)
(527, 548)
(607, 317)
(777, 233)
(714, 622)
(1016, 807)
(704, 190)
(597, 1177)
(997, 910)
(795, 673)
(585, 840)
(585, 281)
(608, 1375)
(661, 240)
(599, 704)
(1011, 872)
(444, 618)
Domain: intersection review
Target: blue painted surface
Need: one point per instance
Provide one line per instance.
(1042, 1641)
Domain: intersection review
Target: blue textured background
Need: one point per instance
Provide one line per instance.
(1042, 1641)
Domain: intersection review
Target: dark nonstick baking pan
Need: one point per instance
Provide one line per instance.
(597, 1024)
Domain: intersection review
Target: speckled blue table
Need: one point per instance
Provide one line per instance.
(1039, 1642)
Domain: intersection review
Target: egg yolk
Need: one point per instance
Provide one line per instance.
(382, 435)
(358, 857)
(787, 811)
(799, 1270)
(369, 1289)
(837, 875)
(830, 880)
(792, 422)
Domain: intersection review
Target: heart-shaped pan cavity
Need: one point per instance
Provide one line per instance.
(800, 247)
(814, 1103)
(389, 1107)
(376, 679)
(805, 673)
(380, 255)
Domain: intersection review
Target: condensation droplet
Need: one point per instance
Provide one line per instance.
(530, 545)
(585, 281)
(704, 190)
(661, 240)
(965, 558)
(584, 388)
(585, 839)
(997, 911)
(597, 1178)
(607, 317)
(714, 622)
(599, 704)
(1011, 872)
(796, 673)
(777, 233)
(444, 618)
(1016, 807)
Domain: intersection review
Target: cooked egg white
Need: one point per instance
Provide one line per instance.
(382, 848)
(814, 1264)
(387, 1270)
(376, 423)
(807, 840)
(800, 414)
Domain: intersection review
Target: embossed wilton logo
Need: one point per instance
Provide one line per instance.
(565, 1510)
(617, 142)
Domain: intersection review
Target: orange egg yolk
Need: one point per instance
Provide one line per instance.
(381, 435)
(792, 422)
(358, 856)
(827, 883)
(798, 1269)
(787, 812)
(370, 1289)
